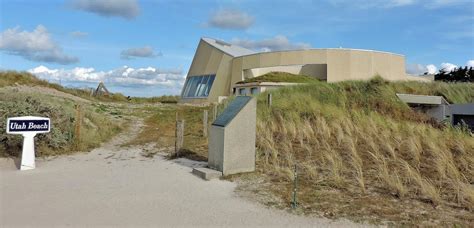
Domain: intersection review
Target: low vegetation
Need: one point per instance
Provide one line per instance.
(363, 154)
(14, 78)
(67, 134)
(280, 77)
(160, 126)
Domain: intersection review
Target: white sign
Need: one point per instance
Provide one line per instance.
(28, 126)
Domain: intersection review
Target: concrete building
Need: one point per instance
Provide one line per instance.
(440, 109)
(217, 67)
(253, 88)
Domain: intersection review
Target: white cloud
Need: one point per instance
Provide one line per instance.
(36, 45)
(108, 8)
(123, 76)
(419, 69)
(78, 34)
(448, 67)
(276, 43)
(470, 63)
(143, 52)
(432, 69)
(230, 19)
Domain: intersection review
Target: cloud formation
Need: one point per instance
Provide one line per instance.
(470, 63)
(276, 43)
(142, 52)
(230, 19)
(36, 45)
(128, 9)
(448, 67)
(419, 69)
(123, 76)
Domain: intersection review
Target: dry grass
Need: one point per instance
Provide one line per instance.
(160, 126)
(280, 77)
(97, 126)
(349, 148)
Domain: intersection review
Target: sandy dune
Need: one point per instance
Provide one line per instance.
(116, 186)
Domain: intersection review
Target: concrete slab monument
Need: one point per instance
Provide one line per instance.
(232, 137)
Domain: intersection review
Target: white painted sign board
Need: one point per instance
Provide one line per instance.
(28, 126)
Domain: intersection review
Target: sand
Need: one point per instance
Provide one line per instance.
(116, 186)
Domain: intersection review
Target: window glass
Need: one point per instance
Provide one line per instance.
(202, 86)
(198, 86)
(242, 91)
(254, 90)
(209, 84)
(193, 86)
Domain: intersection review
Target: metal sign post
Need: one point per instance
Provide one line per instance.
(28, 126)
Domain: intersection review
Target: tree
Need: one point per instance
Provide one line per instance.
(460, 74)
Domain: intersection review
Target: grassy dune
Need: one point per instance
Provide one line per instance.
(97, 125)
(95, 128)
(13, 78)
(280, 77)
(362, 153)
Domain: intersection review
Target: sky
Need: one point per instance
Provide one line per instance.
(145, 47)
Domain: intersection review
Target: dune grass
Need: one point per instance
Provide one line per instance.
(280, 77)
(13, 78)
(160, 126)
(95, 128)
(361, 150)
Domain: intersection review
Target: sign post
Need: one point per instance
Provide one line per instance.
(28, 126)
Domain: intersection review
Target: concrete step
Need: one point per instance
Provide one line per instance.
(206, 173)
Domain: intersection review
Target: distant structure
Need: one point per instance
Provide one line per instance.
(440, 109)
(100, 91)
(217, 67)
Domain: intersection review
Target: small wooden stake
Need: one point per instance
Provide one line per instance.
(269, 100)
(78, 120)
(215, 112)
(179, 136)
(204, 123)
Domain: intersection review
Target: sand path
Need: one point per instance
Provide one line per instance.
(116, 186)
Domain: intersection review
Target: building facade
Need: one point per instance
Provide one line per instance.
(217, 67)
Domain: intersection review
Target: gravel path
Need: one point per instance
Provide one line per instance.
(116, 186)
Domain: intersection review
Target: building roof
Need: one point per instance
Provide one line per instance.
(227, 48)
(462, 109)
(238, 51)
(422, 99)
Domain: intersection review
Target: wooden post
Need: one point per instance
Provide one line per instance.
(269, 100)
(179, 136)
(215, 112)
(78, 123)
(204, 123)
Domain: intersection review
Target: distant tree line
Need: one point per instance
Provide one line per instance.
(459, 74)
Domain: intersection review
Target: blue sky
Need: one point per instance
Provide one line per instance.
(145, 47)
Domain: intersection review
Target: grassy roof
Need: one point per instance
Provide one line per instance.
(280, 77)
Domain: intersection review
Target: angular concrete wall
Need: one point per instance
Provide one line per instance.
(210, 60)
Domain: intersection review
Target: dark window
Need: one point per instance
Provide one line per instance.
(254, 90)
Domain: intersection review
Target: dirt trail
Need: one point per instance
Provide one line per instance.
(117, 186)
